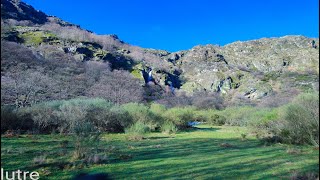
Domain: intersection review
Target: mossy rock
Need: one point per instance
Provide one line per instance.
(86, 51)
(137, 74)
(55, 42)
(37, 37)
(235, 85)
(91, 45)
(272, 75)
(12, 36)
(190, 87)
(140, 66)
(221, 75)
(100, 53)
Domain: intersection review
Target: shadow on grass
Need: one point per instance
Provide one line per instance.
(205, 158)
(194, 129)
(160, 137)
(176, 158)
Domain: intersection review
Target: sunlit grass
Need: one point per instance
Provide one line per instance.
(216, 152)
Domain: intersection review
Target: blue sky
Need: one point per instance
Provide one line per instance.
(181, 24)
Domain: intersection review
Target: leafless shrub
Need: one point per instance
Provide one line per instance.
(204, 100)
(94, 70)
(175, 100)
(69, 32)
(26, 88)
(117, 86)
(74, 33)
(278, 99)
(13, 22)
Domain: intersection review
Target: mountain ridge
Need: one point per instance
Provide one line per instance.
(252, 69)
(34, 11)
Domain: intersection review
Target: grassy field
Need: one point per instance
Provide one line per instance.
(216, 152)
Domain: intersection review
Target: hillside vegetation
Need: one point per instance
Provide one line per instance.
(73, 101)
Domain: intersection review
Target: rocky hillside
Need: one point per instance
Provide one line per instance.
(241, 70)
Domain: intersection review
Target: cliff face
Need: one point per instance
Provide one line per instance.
(249, 65)
(251, 69)
(14, 9)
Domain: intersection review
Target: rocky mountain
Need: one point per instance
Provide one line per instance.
(251, 70)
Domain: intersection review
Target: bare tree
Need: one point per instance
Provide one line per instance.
(26, 88)
(94, 70)
(207, 100)
(117, 86)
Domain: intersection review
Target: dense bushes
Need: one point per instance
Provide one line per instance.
(12, 119)
(248, 116)
(86, 137)
(169, 127)
(299, 123)
(180, 116)
(139, 128)
(211, 117)
(141, 117)
(296, 122)
(67, 115)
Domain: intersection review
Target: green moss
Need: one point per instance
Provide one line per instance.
(235, 85)
(19, 27)
(189, 86)
(235, 81)
(99, 53)
(271, 76)
(139, 66)
(137, 74)
(37, 37)
(56, 41)
(263, 86)
(136, 70)
(253, 68)
(221, 75)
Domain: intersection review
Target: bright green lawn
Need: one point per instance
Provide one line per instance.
(197, 154)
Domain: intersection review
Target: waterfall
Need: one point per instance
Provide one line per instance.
(149, 76)
(171, 88)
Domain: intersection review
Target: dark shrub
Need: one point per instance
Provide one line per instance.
(169, 127)
(86, 137)
(300, 123)
(138, 128)
(15, 119)
(65, 116)
(180, 116)
(142, 114)
(217, 120)
(114, 119)
(210, 116)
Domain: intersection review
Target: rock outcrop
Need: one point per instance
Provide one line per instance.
(254, 69)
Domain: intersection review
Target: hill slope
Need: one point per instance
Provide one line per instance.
(252, 70)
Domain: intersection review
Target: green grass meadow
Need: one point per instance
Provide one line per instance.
(205, 152)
